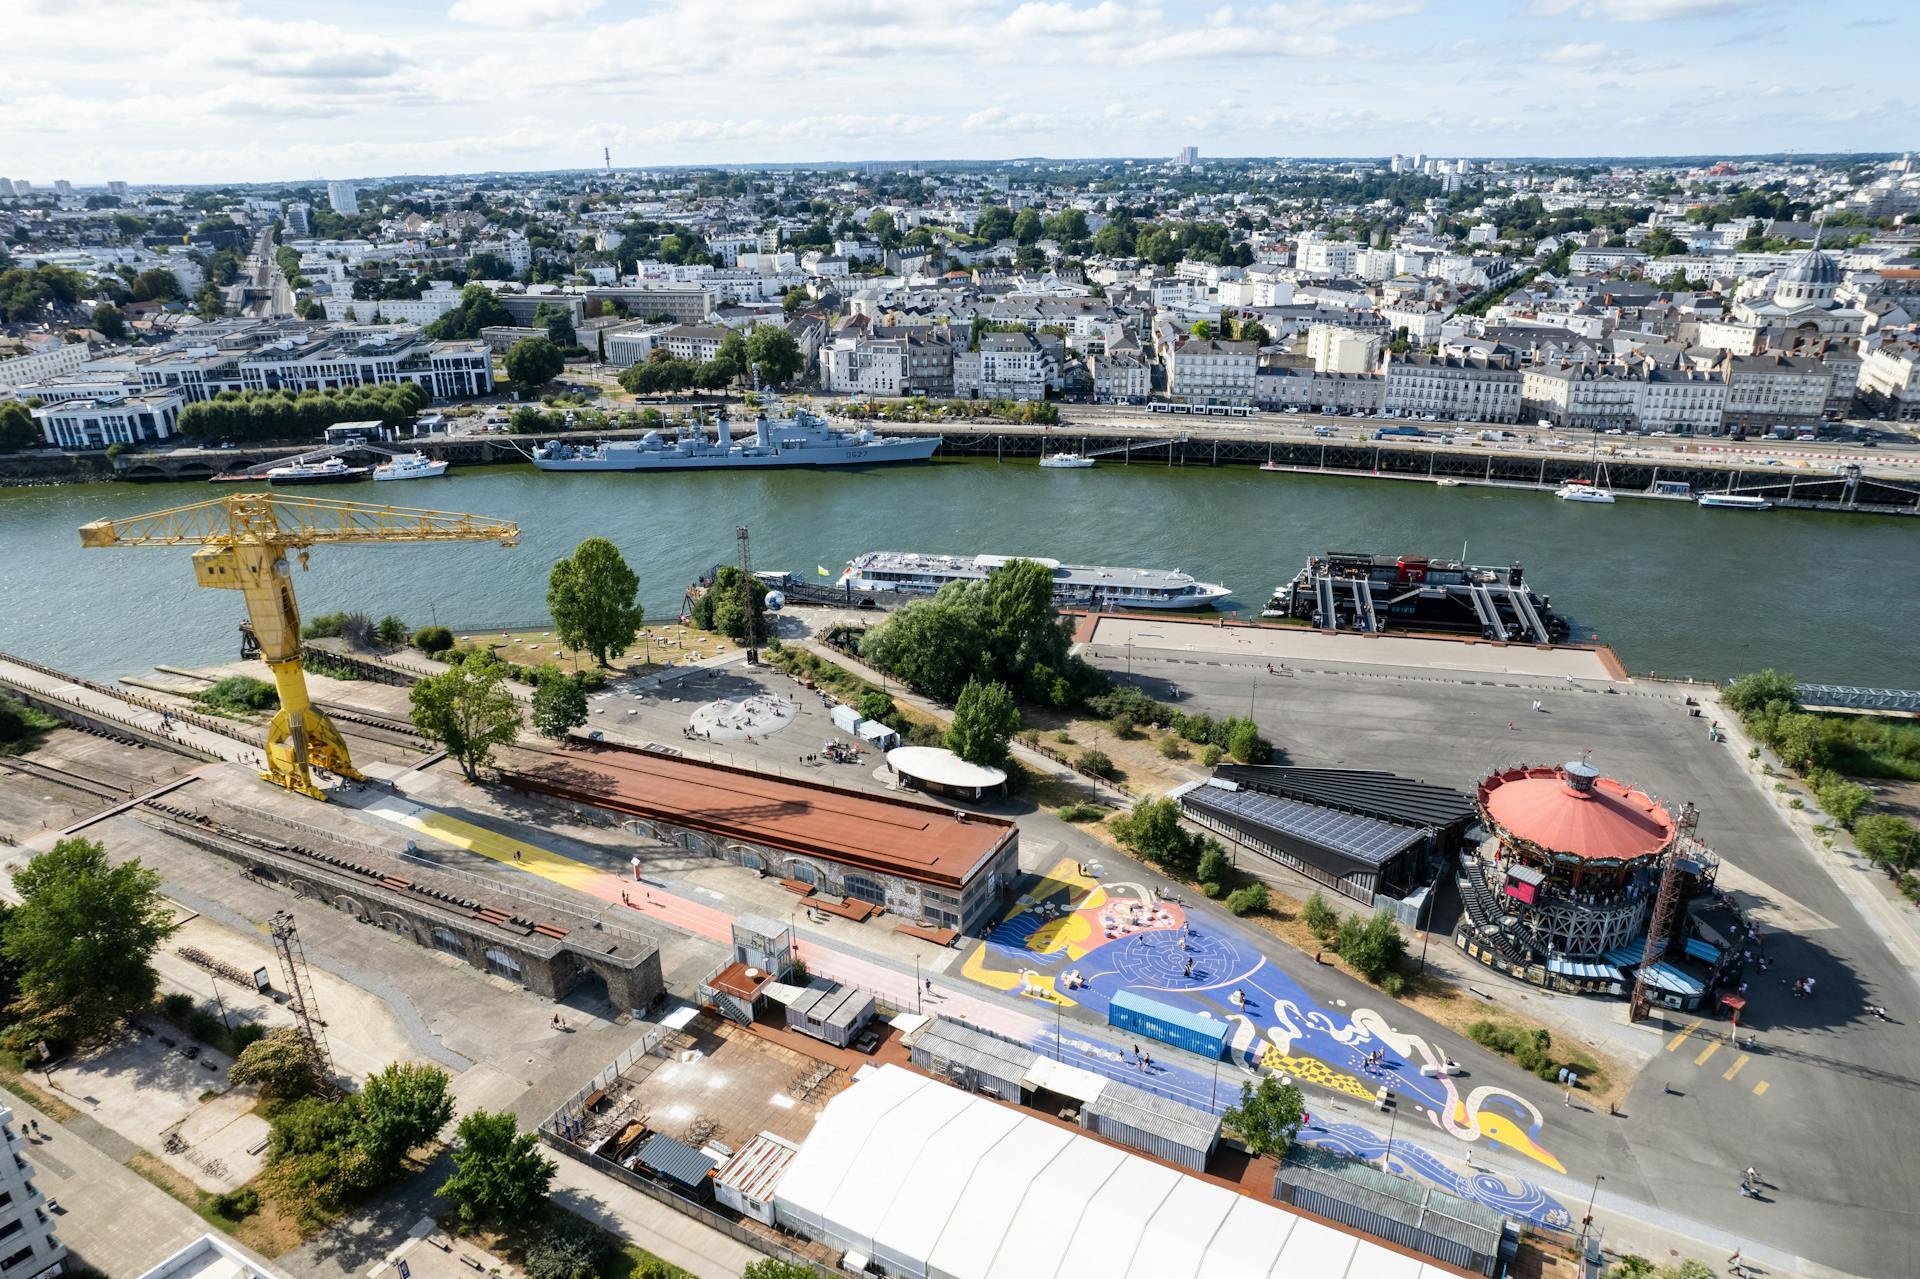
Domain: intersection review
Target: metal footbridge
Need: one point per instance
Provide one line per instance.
(1846, 697)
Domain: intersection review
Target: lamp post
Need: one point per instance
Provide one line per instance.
(1586, 1222)
(1393, 1117)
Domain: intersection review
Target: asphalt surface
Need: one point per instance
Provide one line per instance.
(1818, 1105)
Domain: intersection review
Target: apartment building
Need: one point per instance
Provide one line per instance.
(1583, 396)
(1890, 380)
(1120, 376)
(929, 356)
(696, 342)
(1481, 385)
(435, 301)
(864, 366)
(343, 198)
(1005, 365)
(28, 1246)
(1314, 253)
(51, 360)
(1336, 349)
(683, 304)
(1686, 400)
(1774, 389)
(1209, 371)
(1313, 390)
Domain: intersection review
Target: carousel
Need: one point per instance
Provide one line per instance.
(1564, 883)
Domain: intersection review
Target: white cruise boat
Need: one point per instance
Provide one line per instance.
(804, 439)
(330, 471)
(1582, 491)
(1736, 501)
(409, 466)
(1065, 462)
(1074, 585)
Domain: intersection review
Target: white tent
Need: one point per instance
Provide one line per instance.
(938, 1183)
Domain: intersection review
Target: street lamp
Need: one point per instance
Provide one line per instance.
(1586, 1222)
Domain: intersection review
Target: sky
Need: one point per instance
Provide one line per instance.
(204, 91)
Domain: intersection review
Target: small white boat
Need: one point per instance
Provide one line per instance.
(1447, 484)
(409, 466)
(1065, 462)
(330, 471)
(1582, 491)
(1736, 501)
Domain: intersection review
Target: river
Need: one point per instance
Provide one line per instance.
(1673, 588)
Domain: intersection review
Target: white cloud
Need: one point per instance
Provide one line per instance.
(519, 14)
(1639, 10)
(1573, 55)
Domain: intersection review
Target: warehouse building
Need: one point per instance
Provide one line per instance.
(917, 861)
(905, 1174)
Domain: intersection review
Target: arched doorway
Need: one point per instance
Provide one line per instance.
(805, 872)
(867, 890)
(501, 964)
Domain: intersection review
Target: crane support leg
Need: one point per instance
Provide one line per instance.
(301, 738)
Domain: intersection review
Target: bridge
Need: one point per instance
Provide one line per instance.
(1846, 697)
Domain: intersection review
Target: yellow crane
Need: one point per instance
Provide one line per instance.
(243, 542)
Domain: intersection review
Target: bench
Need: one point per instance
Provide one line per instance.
(938, 936)
(797, 887)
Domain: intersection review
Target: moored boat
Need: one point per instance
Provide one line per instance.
(329, 471)
(1074, 585)
(409, 466)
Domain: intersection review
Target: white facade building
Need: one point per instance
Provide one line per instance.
(433, 302)
(1465, 388)
(1121, 375)
(1334, 349)
(1890, 380)
(52, 361)
(28, 1246)
(344, 198)
(864, 366)
(95, 423)
(1209, 371)
(1006, 365)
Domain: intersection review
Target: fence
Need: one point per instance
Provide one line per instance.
(550, 1132)
(89, 720)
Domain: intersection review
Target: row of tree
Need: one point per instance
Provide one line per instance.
(251, 416)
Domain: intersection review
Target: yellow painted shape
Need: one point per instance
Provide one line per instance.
(1314, 1071)
(1681, 1038)
(1760, 1089)
(501, 848)
(1498, 1128)
(1713, 1046)
(1739, 1064)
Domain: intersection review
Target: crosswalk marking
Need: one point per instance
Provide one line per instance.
(1738, 1063)
(1681, 1038)
(1713, 1046)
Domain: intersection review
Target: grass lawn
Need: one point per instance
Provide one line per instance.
(655, 647)
(1874, 746)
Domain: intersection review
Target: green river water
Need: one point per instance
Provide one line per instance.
(1673, 588)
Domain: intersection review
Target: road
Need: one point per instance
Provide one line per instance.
(265, 283)
(1811, 1105)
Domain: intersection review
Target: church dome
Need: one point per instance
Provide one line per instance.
(1813, 267)
(1812, 279)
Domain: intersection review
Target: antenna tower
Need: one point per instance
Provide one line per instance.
(606, 156)
(293, 963)
(1666, 905)
(746, 591)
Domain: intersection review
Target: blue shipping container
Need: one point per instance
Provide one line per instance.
(1167, 1024)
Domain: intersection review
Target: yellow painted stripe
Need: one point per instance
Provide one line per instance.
(1681, 1038)
(1739, 1063)
(1760, 1089)
(1713, 1046)
(500, 848)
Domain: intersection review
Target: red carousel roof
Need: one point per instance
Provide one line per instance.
(1573, 811)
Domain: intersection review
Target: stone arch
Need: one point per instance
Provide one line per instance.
(749, 858)
(805, 871)
(448, 940)
(395, 923)
(502, 964)
(342, 901)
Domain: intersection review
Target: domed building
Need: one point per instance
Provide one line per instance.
(1804, 302)
(1561, 890)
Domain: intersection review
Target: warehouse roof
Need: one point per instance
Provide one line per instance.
(895, 836)
(927, 1179)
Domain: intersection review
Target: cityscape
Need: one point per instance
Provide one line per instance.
(1314, 674)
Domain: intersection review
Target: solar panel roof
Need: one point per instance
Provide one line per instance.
(1362, 839)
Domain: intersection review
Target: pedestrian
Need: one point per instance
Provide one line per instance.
(1148, 1058)
(516, 854)
(929, 985)
(1566, 1098)
(1510, 727)
(1753, 1174)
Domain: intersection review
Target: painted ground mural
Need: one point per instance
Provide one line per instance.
(1076, 939)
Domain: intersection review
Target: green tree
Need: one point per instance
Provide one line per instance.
(1153, 831)
(994, 224)
(282, 1064)
(1750, 693)
(560, 329)
(468, 710)
(929, 644)
(984, 720)
(731, 357)
(1244, 742)
(1320, 917)
(108, 320)
(1887, 839)
(878, 707)
(575, 1251)
(1068, 226)
(1027, 226)
(155, 285)
(1250, 900)
(533, 362)
(404, 1106)
(721, 607)
(774, 353)
(594, 600)
(1214, 867)
(1373, 948)
(1268, 1117)
(433, 640)
(500, 1176)
(795, 299)
(880, 226)
(392, 631)
(1843, 800)
(559, 703)
(18, 430)
(83, 937)
(1203, 329)
(772, 1268)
